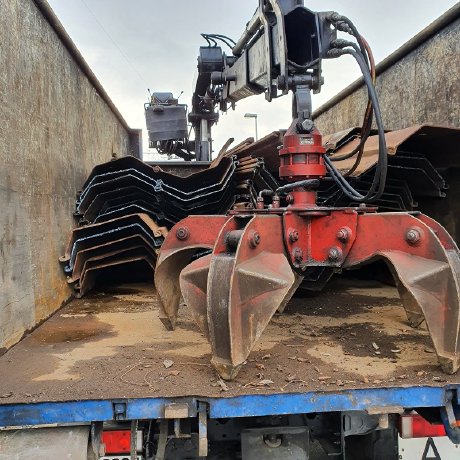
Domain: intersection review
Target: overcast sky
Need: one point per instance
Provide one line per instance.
(139, 44)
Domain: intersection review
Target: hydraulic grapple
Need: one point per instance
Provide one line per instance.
(234, 272)
(258, 257)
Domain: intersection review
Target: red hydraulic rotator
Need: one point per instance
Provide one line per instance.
(302, 155)
(301, 158)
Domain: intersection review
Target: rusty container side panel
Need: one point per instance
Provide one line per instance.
(54, 127)
(421, 86)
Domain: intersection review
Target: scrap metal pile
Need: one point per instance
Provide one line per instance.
(266, 217)
(126, 207)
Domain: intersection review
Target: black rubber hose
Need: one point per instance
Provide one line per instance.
(378, 184)
(337, 18)
(368, 119)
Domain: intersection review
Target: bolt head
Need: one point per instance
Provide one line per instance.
(343, 235)
(334, 254)
(413, 236)
(308, 125)
(254, 239)
(293, 235)
(182, 233)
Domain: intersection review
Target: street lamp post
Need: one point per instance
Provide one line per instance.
(253, 115)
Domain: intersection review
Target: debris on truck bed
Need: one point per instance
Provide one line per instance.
(111, 344)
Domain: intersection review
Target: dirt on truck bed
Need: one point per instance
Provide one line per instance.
(112, 345)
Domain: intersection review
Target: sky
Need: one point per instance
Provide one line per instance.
(139, 44)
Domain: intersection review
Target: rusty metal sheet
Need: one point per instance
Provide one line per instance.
(92, 268)
(103, 200)
(90, 235)
(103, 249)
(439, 144)
(266, 148)
(117, 165)
(336, 140)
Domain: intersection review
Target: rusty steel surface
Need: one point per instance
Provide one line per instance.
(265, 149)
(88, 254)
(128, 257)
(83, 237)
(98, 248)
(185, 239)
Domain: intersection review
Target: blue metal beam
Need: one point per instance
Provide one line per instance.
(241, 406)
(279, 404)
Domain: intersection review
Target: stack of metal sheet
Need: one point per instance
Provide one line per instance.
(126, 206)
(416, 166)
(251, 173)
(418, 158)
(97, 249)
(128, 185)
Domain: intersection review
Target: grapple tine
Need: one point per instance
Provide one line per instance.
(184, 240)
(249, 279)
(167, 273)
(426, 264)
(194, 278)
(193, 285)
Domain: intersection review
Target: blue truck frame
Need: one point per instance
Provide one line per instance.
(45, 413)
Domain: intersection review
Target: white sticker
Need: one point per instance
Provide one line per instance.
(306, 141)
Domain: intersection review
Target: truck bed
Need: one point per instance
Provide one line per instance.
(111, 344)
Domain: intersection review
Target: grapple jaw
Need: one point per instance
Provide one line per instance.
(257, 261)
(234, 292)
(184, 241)
(425, 263)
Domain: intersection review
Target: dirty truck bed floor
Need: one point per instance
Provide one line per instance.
(112, 345)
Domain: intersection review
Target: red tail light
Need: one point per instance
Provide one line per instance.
(415, 426)
(117, 441)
